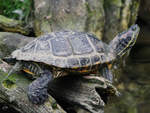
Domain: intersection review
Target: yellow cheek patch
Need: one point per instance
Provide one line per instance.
(29, 72)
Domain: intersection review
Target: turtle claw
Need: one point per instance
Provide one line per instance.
(37, 90)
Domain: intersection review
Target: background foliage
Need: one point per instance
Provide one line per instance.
(16, 9)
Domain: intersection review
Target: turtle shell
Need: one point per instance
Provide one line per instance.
(65, 49)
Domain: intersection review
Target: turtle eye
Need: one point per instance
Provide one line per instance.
(133, 28)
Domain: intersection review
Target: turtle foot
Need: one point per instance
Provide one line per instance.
(37, 96)
(37, 90)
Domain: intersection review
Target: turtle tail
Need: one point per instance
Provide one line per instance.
(10, 60)
(124, 41)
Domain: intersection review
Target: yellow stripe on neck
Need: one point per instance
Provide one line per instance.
(29, 72)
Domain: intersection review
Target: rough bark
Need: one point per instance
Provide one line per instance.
(79, 15)
(104, 18)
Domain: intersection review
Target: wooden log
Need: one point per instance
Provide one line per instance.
(88, 92)
(11, 25)
(11, 41)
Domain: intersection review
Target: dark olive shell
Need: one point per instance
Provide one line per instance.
(66, 49)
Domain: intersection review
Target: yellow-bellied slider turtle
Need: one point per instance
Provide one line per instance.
(70, 52)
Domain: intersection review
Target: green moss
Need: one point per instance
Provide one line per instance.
(13, 80)
(134, 12)
(54, 104)
(12, 25)
(8, 21)
(8, 84)
(95, 20)
(108, 3)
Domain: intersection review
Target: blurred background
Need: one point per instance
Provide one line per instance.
(103, 18)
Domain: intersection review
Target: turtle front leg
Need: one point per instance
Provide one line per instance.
(107, 72)
(37, 90)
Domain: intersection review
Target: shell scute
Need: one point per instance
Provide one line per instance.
(97, 43)
(80, 44)
(73, 62)
(95, 59)
(61, 47)
(30, 47)
(43, 46)
(84, 61)
(61, 62)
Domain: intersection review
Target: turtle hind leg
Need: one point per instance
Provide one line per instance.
(37, 90)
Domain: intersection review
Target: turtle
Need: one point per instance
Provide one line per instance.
(64, 52)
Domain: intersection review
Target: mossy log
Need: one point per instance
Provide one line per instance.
(13, 92)
(11, 25)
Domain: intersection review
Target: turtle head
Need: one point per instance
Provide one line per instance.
(124, 41)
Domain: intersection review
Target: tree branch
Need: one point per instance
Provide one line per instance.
(11, 25)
